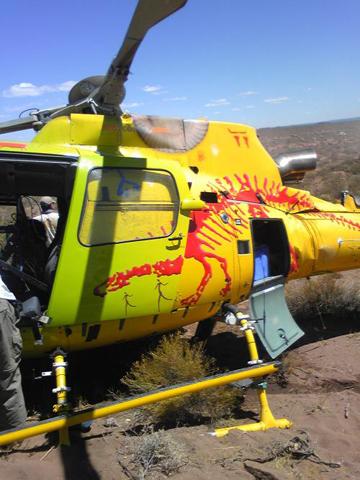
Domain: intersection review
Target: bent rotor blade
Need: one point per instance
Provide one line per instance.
(147, 14)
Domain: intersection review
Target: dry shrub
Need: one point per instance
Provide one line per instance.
(158, 452)
(174, 361)
(328, 296)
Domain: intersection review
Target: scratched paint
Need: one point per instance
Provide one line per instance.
(337, 218)
(294, 260)
(271, 193)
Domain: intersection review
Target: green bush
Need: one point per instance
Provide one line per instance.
(174, 361)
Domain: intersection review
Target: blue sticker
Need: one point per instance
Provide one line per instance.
(125, 187)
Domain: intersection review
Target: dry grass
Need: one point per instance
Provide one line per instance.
(158, 453)
(328, 296)
(174, 361)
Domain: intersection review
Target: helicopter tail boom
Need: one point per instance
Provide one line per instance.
(332, 243)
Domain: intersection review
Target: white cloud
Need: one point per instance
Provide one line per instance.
(175, 99)
(132, 105)
(220, 102)
(19, 108)
(250, 106)
(154, 89)
(276, 100)
(248, 93)
(65, 86)
(26, 89)
(236, 109)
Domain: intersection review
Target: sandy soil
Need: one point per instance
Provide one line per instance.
(322, 398)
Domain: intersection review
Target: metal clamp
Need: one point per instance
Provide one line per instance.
(59, 364)
(255, 362)
(250, 325)
(61, 389)
(247, 327)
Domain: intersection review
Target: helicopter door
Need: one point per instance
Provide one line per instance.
(124, 242)
(271, 248)
(274, 323)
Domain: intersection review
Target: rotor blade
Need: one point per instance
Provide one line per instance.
(36, 120)
(147, 14)
(17, 125)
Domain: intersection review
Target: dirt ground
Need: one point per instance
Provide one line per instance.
(321, 398)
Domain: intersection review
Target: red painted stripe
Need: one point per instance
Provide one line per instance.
(12, 144)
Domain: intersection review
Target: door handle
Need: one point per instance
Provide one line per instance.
(177, 239)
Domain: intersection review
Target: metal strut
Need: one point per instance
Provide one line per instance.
(63, 422)
(267, 419)
(62, 405)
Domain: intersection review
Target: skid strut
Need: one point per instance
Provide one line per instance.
(70, 419)
(62, 405)
(267, 419)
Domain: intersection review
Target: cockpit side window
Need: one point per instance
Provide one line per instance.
(128, 204)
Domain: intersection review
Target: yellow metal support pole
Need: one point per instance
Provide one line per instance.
(62, 405)
(267, 420)
(60, 377)
(250, 339)
(59, 423)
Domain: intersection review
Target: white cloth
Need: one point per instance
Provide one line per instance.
(50, 220)
(5, 292)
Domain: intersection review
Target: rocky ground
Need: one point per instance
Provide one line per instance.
(337, 145)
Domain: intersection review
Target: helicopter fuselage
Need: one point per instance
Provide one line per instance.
(163, 223)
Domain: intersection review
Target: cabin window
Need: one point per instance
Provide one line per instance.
(126, 204)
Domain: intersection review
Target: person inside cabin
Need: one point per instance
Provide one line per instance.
(12, 404)
(48, 217)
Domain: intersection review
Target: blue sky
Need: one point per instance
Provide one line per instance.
(265, 63)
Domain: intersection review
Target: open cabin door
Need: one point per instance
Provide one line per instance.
(124, 241)
(274, 323)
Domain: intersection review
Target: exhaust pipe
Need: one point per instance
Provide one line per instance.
(293, 166)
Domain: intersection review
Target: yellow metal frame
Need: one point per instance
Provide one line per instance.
(62, 405)
(64, 422)
(267, 419)
(61, 389)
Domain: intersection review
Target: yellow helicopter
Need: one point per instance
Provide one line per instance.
(162, 221)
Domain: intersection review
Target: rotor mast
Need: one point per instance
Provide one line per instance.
(102, 94)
